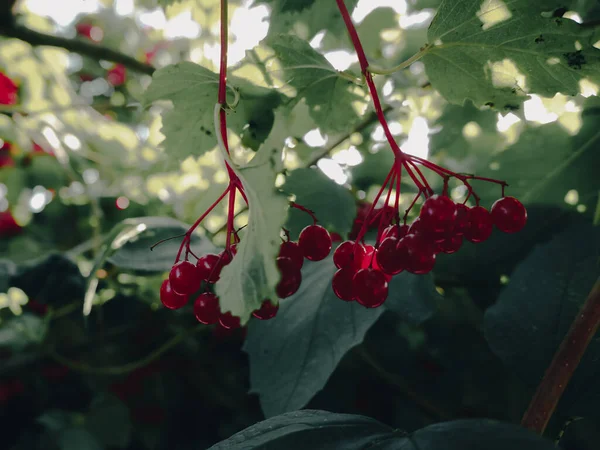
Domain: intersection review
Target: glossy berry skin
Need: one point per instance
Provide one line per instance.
(420, 253)
(369, 257)
(451, 244)
(291, 278)
(370, 287)
(184, 278)
(315, 242)
(266, 311)
(342, 284)
(480, 225)
(348, 255)
(293, 251)
(206, 308)
(229, 321)
(509, 215)
(438, 214)
(462, 219)
(209, 267)
(171, 299)
(390, 259)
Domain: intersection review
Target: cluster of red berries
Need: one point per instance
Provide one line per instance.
(364, 271)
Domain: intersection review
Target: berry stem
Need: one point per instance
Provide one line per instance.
(230, 215)
(365, 225)
(565, 362)
(306, 210)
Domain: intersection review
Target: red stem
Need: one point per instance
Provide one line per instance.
(306, 210)
(223, 67)
(365, 225)
(230, 215)
(565, 362)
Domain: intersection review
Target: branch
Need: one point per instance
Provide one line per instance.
(84, 48)
(565, 362)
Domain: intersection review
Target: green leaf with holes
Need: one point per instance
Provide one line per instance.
(329, 95)
(293, 356)
(252, 275)
(497, 52)
(333, 204)
(189, 126)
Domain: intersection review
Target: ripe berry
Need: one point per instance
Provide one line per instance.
(293, 251)
(438, 214)
(117, 75)
(227, 256)
(451, 244)
(391, 259)
(462, 219)
(420, 253)
(170, 298)
(480, 224)
(206, 308)
(184, 278)
(348, 255)
(291, 278)
(8, 90)
(369, 256)
(267, 310)
(509, 215)
(396, 231)
(370, 287)
(315, 242)
(229, 321)
(342, 284)
(209, 268)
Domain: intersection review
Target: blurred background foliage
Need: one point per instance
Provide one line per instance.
(81, 164)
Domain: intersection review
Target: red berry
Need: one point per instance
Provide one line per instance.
(451, 244)
(117, 75)
(170, 298)
(209, 268)
(229, 321)
(8, 225)
(315, 242)
(509, 215)
(8, 90)
(375, 266)
(293, 251)
(370, 287)
(267, 310)
(227, 256)
(348, 255)
(420, 253)
(206, 308)
(390, 258)
(342, 284)
(335, 237)
(184, 278)
(291, 278)
(462, 219)
(369, 256)
(438, 214)
(480, 224)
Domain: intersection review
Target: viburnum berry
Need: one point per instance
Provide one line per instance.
(342, 284)
(395, 231)
(480, 224)
(171, 299)
(390, 258)
(184, 278)
(348, 255)
(315, 242)
(509, 215)
(438, 214)
(369, 256)
(370, 287)
(267, 310)
(229, 321)
(209, 268)
(293, 251)
(8, 90)
(206, 308)
(117, 75)
(451, 244)
(291, 277)
(420, 253)
(462, 219)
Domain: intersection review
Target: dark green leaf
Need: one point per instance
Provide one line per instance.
(534, 313)
(77, 439)
(21, 331)
(373, 169)
(293, 355)
(7, 270)
(109, 422)
(333, 204)
(413, 297)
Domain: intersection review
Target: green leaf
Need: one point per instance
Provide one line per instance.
(412, 297)
(135, 253)
(328, 95)
(15, 180)
(333, 204)
(534, 312)
(479, 47)
(19, 332)
(330, 431)
(7, 270)
(291, 5)
(293, 355)
(252, 275)
(108, 421)
(373, 169)
(77, 439)
(193, 89)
